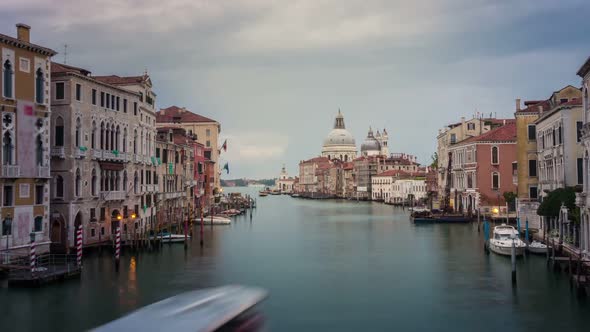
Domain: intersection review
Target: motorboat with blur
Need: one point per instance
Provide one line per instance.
(227, 308)
(169, 237)
(214, 220)
(502, 238)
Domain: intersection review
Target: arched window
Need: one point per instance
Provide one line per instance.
(39, 86)
(59, 131)
(118, 181)
(78, 132)
(107, 137)
(102, 181)
(7, 149)
(93, 182)
(135, 183)
(39, 150)
(135, 141)
(93, 135)
(113, 147)
(38, 224)
(6, 227)
(59, 186)
(102, 135)
(124, 139)
(117, 138)
(495, 157)
(495, 180)
(7, 79)
(125, 181)
(78, 183)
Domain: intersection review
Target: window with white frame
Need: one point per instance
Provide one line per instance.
(495, 155)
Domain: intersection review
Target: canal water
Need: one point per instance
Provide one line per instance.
(329, 266)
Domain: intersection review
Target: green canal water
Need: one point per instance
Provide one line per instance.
(329, 266)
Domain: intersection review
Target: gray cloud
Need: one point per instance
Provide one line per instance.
(275, 73)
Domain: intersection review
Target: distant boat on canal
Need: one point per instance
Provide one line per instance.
(214, 220)
(228, 308)
(424, 216)
(170, 238)
(263, 193)
(502, 238)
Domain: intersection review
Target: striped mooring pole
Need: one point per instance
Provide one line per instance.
(117, 247)
(79, 246)
(33, 256)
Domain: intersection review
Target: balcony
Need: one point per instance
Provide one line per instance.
(112, 195)
(146, 160)
(106, 154)
(190, 183)
(96, 154)
(43, 172)
(58, 151)
(10, 171)
(138, 158)
(150, 188)
(79, 153)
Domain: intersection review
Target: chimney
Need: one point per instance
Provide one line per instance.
(504, 122)
(518, 104)
(23, 32)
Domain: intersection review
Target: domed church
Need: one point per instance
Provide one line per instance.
(340, 143)
(375, 144)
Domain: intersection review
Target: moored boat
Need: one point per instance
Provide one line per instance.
(537, 247)
(169, 238)
(263, 193)
(502, 238)
(214, 220)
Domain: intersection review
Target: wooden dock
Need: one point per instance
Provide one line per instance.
(49, 268)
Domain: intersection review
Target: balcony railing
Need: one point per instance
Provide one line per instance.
(106, 154)
(58, 151)
(43, 172)
(112, 195)
(96, 154)
(10, 171)
(79, 153)
(190, 183)
(138, 158)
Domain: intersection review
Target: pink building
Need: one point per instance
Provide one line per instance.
(482, 170)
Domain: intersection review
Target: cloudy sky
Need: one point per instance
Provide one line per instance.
(274, 73)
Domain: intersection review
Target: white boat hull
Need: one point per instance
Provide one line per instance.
(505, 250)
(214, 221)
(175, 238)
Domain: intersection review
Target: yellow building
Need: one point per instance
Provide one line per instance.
(24, 176)
(526, 168)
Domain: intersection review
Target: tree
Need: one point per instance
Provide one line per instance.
(510, 199)
(551, 204)
(434, 163)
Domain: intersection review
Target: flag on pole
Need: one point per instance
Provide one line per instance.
(223, 146)
(226, 167)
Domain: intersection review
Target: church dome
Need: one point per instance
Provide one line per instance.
(371, 144)
(339, 135)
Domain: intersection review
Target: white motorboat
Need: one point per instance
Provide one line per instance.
(228, 308)
(537, 247)
(502, 238)
(215, 220)
(170, 238)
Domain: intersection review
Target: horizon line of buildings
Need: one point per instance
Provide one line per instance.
(93, 151)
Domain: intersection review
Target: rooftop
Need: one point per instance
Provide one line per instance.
(175, 114)
(504, 133)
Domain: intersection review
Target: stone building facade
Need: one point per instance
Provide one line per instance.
(26, 109)
(102, 156)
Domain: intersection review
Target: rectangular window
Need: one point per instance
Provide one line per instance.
(533, 167)
(553, 136)
(25, 65)
(101, 99)
(118, 102)
(533, 194)
(208, 132)
(93, 96)
(453, 138)
(39, 194)
(93, 214)
(107, 100)
(125, 212)
(164, 156)
(102, 213)
(134, 108)
(59, 91)
(124, 105)
(92, 232)
(113, 102)
(532, 132)
(580, 171)
(208, 144)
(8, 199)
(78, 92)
(157, 152)
(578, 131)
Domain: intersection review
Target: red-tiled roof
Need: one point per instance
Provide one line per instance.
(393, 172)
(500, 134)
(573, 102)
(348, 165)
(118, 80)
(61, 68)
(26, 45)
(178, 114)
(536, 107)
(584, 69)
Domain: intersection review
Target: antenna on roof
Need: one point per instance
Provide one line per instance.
(145, 71)
(65, 54)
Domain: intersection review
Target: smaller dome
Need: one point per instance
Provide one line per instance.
(370, 143)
